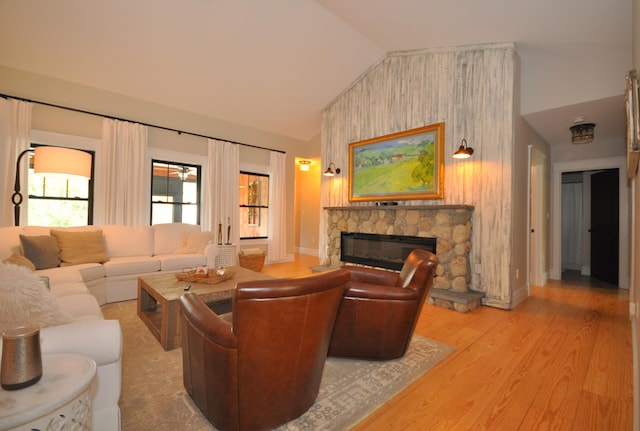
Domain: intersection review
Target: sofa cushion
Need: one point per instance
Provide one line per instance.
(168, 236)
(18, 259)
(193, 242)
(81, 247)
(81, 306)
(175, 262)
(128, 240)
(42, 250)
(26, 300)
(131, 265)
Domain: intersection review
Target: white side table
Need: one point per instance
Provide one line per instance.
(60, 400)
(227, 255)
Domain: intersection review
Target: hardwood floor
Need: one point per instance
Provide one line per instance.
(561, 360)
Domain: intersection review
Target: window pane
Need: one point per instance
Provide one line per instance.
(254, 230)
(175, 193)
(46, 212)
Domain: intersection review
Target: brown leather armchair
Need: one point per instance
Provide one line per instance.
(260, 365)
(380, 308)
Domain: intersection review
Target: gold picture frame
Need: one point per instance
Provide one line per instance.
(407, 165)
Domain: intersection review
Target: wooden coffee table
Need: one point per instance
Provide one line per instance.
(159, 305)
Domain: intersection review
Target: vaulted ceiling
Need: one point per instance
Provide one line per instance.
(274, 65)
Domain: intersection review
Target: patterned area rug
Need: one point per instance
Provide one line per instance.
(154, 399)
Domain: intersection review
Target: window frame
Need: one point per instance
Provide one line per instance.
(266, 207)
(82, 143)
(199, 168)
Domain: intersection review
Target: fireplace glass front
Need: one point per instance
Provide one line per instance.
(381, 251)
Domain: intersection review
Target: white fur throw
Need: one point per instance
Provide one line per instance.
(24, 299)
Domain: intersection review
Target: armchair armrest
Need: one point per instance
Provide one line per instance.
(376, 291)
(216, 329)
(372, 275)
(211, 251)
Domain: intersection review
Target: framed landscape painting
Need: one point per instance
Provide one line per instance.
(401, 166)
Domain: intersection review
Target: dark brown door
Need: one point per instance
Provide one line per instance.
(604, 226)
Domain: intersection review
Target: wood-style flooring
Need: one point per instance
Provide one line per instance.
(561, 360)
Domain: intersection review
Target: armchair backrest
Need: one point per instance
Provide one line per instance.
(418, 270)
(283, 328)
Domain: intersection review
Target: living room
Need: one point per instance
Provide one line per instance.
(505, 278)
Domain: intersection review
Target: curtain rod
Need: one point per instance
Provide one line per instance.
(179, 132)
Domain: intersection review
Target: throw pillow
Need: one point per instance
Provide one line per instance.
(18, 259)
(42, 250)
(194, 242)
(81, 246)
(26, 300)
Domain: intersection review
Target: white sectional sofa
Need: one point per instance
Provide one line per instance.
(132, 251)
(80, 289)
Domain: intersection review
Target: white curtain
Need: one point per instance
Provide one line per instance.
(221, 185)
(572, 226)
(277, 207)
(15, 127)
(126, 174)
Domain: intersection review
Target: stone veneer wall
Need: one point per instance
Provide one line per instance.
(450, 224)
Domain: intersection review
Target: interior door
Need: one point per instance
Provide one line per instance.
(604, 226)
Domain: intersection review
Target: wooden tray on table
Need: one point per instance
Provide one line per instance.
(209, 277)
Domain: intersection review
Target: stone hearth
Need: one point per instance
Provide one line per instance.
(450, 224)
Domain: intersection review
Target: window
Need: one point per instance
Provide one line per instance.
(254, 205)
(175, 192)
(57, 200)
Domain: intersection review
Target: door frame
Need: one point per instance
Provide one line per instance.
(558, 168)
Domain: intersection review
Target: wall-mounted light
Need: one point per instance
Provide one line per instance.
(330, 172)
(304, 165)
(51, 160)
(464, 151)
(582, 133)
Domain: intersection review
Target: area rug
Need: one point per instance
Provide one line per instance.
(154, 399)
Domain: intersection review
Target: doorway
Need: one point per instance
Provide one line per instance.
(558, 169)
(590, 225)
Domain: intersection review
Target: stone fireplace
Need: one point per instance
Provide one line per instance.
(449, 224)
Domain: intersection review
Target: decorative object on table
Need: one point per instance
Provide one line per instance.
(228, 231)
(401, 166)
(210, 277)
(252, 258)
(219, 233)
(21, 357)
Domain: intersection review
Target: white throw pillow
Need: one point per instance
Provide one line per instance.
(26, 300)
(194, 242)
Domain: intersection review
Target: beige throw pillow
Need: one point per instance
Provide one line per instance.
(194, 242)
(42, 250)
(81, 246)
(18, 259)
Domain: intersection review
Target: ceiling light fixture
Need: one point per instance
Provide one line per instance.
(304, 165)
(582, 133)
(464, 151)
(329, 172)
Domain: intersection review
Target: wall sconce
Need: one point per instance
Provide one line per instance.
(582, 133)
(51, 160)
(464, 151)
(304, 165)
(330, 172)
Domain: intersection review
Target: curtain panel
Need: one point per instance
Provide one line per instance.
(15, 129)
(277, 207)
(126, 175)
(222, 181)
